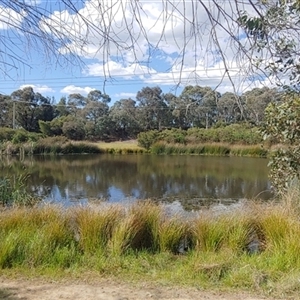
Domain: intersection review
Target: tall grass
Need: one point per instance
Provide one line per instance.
(49, 145)
(253, 247)
(93, 229)
(215, 149)
(13, 192)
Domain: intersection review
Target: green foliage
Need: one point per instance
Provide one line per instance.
(6, 134)
(161, 141)
(74, 130)
(174, 136)
(20, 136)
(232, 134)
(45, 128)
(147, 139)
(283, 124)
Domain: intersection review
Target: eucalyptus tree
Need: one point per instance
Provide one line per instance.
(76, 102)
(6, 111)
(153, 111)
(256, 101)
(125, 119)
(31, 107)
(201, 105)
(178, 111)
(228, 109)
(62, 108)
(95, 114)
(274, 32)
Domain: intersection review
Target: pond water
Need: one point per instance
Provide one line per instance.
(191, 181)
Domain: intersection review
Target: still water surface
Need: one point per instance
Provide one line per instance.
(192, 181)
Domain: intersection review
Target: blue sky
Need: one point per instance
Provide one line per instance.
(160, 54)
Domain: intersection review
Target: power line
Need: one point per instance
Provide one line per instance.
(109, 78)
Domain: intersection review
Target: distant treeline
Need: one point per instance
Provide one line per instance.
(90, 117)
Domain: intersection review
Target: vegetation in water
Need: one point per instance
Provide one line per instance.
(254, 247)
(13, 192)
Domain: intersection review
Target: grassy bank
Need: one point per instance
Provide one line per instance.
(233, 140)
(255, 247)
(161, 147)
(121, 147)
(51, 145)
(58, 146)
(215, 149)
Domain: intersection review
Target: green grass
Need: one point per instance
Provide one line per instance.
(141, 241)
(213, 149)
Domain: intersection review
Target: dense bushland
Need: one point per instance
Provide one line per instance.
(238, 140)
(90, 117)
(235, 140)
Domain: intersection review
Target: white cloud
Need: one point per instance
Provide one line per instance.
(38, 88)
(72, 89)
(33, 2)
(10, 18)
(187, 51)
(112, 68)
(125, 95)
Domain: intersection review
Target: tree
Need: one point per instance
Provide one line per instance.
(95, 115)
(124, 116)
(201, 105)
(74, 129)
(283, 124)
(178, 107)
(31, 107)
(256, 102)
(76, 102)
(275, 32)
(61, 107)
(6, 111)
(152, 108)
(228, 109)
(96, 95)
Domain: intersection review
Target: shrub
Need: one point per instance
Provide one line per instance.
(73, 130)
(147, 139)
(6, 134)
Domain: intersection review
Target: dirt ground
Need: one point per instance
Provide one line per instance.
(104, 289)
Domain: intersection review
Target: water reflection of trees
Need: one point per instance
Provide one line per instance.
(143, 176)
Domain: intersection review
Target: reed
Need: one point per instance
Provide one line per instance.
(214, 149)
(13, 192)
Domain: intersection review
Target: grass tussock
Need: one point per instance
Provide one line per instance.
(213, 149)
(255, 247)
